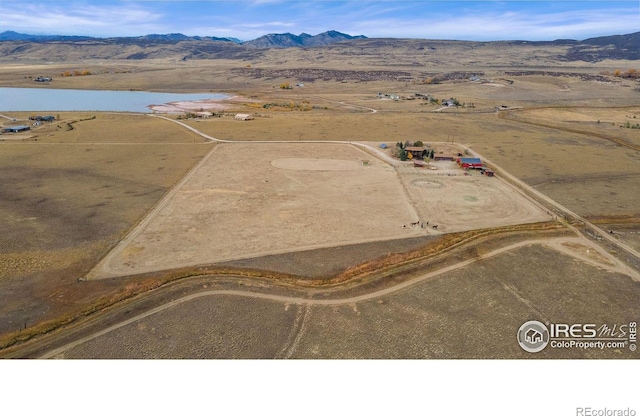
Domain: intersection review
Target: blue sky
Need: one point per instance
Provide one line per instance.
(249, 19)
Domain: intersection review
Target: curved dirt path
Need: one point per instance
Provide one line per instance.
(298, 332)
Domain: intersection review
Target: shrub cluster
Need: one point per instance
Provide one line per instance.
(75, 73)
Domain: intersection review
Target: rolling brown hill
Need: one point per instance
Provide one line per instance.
(317, 49)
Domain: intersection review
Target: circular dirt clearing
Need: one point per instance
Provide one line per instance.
(295, 163)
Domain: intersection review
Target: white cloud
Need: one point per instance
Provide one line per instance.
(505, 26)
(79, 19)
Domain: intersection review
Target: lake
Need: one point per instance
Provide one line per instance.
(45, 99)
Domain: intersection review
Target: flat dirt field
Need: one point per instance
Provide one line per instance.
(461, 203)
(472, 312)
(250, 200)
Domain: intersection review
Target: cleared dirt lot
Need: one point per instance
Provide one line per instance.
(472, 312)
(291, 197)
(460, 203)
(248, 200)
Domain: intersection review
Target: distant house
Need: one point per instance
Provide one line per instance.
(470, 162)
(393, 97)
(43, 118)
(15, 129)
(204, 114)
(243, 117)
(450, 103)
(416, 151)
(43, 79)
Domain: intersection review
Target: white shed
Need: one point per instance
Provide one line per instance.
(243, 117)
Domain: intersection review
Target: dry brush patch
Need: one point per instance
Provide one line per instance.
(399, 266)
(444, 244)
(475, 311)
(63, 206)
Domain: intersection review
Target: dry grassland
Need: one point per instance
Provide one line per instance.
(64, 205)
(616, 123)
(70, 194)
(103, 128)
(317, 125)
(473, 312)
(150, 75)
(628, 233)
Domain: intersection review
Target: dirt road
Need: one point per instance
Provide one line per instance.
(563, 245)
(545, 200)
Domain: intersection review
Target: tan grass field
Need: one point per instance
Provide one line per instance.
(65, 205)
(472, 312)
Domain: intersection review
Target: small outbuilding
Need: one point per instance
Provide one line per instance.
(443, 157)
(470, 162)
(243, 117)
(416, 151)
(15, 129)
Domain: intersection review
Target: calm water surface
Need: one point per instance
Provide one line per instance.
(45, 99)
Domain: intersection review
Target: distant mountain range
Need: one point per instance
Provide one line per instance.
(287, 40)
(15, 45)
(276, 40)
